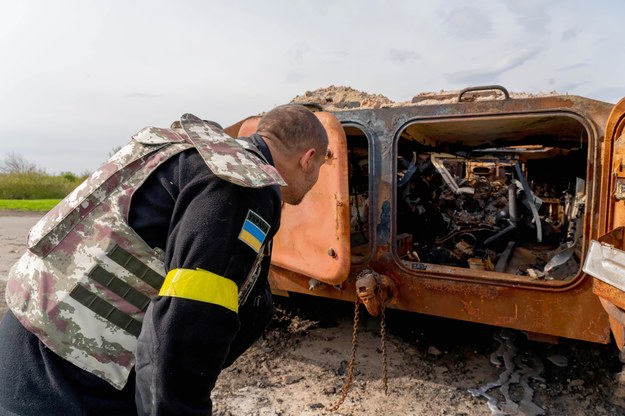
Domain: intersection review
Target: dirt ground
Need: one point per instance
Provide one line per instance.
(435, 366)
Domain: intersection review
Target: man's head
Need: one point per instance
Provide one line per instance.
(298, 143)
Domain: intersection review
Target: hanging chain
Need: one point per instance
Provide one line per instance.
(352, 360)
(384, 358)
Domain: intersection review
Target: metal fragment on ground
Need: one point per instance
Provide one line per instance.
(559, 360)
(434, 351)
(519, 370)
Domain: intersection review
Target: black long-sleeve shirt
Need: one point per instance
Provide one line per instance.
(185, 343)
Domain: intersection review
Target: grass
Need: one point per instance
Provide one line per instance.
(27, 204)
(37, 185)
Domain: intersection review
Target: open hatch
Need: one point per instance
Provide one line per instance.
(500, 194)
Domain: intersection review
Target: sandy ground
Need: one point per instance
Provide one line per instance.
(299, 366)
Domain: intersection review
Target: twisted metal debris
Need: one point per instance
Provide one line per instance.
(519, 369)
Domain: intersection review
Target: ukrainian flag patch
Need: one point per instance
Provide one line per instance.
(254, 230)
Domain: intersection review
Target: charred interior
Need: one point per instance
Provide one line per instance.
(358, 165)
(504, 194)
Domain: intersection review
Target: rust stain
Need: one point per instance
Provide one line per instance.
(469, 308)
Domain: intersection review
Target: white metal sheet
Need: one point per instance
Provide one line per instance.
(606, 263)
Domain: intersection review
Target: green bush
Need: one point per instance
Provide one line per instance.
(36, 185)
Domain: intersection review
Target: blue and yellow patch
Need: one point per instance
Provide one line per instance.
(254, 230)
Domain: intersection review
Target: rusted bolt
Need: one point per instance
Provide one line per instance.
(332, 253)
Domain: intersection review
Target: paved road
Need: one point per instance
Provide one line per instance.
(14, 227)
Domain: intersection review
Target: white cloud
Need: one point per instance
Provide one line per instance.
(570, 34)
(491, 73)
(402, 56)
(466, 22)
(533, 15)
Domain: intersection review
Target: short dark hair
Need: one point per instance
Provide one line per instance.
(295, 127)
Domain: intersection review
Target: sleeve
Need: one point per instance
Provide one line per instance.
(187, 332)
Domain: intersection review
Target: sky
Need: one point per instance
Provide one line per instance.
(78, 78)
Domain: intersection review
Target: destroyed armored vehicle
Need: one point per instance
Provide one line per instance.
(478, 205)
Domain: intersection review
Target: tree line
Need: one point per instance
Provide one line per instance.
(23, 179)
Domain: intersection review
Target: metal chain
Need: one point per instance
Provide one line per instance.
(352, 360)
(384, 357)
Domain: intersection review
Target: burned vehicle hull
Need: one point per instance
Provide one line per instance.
(481, 210)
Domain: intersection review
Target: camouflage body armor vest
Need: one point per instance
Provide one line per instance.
(84, 283)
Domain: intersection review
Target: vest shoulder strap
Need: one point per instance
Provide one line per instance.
(227, 157)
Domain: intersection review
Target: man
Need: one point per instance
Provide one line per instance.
(186, 214)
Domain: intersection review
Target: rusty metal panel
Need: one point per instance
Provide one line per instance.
(619, 191)
(611, 219)
(612, 207)
(559, 308)
(574, 314)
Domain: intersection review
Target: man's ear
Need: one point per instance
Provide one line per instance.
(305, 161)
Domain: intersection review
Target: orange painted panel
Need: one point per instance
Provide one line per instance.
(314, 236)
(248, 127)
